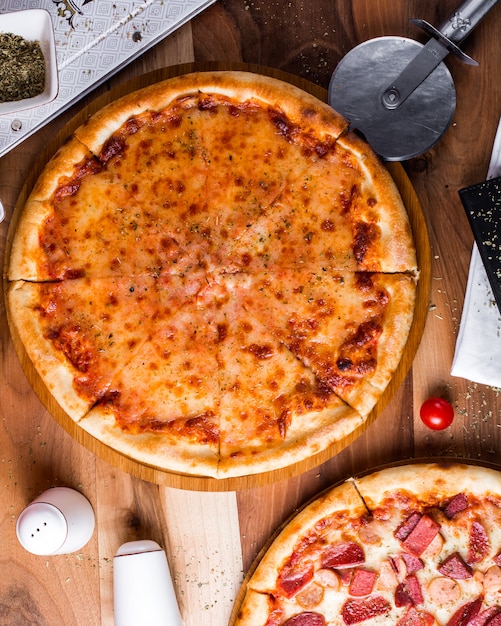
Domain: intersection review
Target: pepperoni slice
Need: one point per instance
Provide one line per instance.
(412, 563)
(343, 554)
(408, 592)
(294, 578)
(421, 535)
(362, 582)
(458, 503)
(407, 526)
(309, 618)
(455, 567)
(489, 617)
(413, 617)
(355, 611)
(466, 613)
(479, 543)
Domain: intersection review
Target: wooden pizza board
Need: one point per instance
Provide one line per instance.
(201, 483)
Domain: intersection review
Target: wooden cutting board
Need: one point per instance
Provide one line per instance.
(182, 481)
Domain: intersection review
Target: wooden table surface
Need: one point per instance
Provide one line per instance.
(212, 538)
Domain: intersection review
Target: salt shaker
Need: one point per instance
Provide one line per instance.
(59, 521)
(142, 586)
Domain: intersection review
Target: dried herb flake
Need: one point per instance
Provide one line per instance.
(22, 68)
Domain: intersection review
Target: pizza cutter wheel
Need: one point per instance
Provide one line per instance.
(398, 93)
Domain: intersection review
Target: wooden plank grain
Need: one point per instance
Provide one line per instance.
(204, 547)
(128, 509)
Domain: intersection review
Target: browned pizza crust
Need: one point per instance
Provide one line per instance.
(429, 483)
(59, 169)
(380, 191)
(308, 113)
(340, 502)
(153, 450)
(26, 256)
(396, 327)
(55, 370)
(255, 609)
(306, 437)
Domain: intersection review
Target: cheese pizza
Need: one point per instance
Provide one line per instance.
(214, 276)
(416, 545)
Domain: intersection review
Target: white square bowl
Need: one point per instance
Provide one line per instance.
(33, 25)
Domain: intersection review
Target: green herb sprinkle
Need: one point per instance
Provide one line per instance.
(22, 68)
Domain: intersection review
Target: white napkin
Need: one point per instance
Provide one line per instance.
(478, 347)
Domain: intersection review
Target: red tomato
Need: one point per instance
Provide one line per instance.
(436, 413)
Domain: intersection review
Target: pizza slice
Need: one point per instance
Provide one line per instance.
(301, 572)
(250, 160)
(85, 223)
(163, 408)
(342, 212)
(349, 328)
(163, 166)
(79, 333)
(273, 410)
(382, 231)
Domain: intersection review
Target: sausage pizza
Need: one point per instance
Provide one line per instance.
(418, 545)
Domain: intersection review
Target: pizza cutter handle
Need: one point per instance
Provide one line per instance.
(458, 26)
(465, 18)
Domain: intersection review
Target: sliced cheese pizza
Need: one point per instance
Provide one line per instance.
(214, 276)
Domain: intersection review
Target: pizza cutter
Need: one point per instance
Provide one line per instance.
(397, 92)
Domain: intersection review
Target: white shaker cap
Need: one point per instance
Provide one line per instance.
(41, 528)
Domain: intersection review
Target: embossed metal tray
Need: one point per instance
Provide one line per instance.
(94, 39)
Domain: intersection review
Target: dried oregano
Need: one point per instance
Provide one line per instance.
(22, 68)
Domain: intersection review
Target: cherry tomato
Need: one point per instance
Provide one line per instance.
(436, 413)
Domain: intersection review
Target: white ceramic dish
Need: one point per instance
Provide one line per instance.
(33, 25)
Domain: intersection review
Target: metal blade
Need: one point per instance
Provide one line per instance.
(404, 132)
